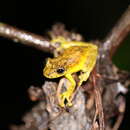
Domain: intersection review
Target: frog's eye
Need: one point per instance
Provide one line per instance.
(60, 70)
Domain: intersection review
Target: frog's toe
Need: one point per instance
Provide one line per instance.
(65, 99)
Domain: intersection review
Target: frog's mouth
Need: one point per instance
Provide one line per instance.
(50, 75)
(54, 74)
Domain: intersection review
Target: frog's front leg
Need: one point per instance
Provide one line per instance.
(66, 96)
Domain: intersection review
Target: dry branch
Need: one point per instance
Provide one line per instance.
(24, 37)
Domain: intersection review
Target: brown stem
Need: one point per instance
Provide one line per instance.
(118, 33)
(24, 37)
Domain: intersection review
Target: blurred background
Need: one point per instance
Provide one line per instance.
(21, 66)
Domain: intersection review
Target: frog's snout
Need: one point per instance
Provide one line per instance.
(47, 73)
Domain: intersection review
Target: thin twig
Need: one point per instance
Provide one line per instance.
(24, 37)
(118, 33)
(98, 102)
(118, 123)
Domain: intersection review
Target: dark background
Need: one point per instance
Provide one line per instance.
(21, 66)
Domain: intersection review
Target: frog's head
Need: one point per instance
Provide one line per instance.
(53, 69)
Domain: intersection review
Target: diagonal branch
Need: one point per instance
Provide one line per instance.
(24, 37)
(118, 33)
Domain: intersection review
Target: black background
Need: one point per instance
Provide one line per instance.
(21, 66)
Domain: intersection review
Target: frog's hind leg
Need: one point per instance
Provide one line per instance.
(87, 68)
(83, 77)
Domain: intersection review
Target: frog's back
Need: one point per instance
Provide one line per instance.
(78, 52)
(75, 57)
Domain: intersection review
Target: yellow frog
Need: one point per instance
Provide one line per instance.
(75, 56)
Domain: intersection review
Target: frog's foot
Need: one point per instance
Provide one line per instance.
(65, 99)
